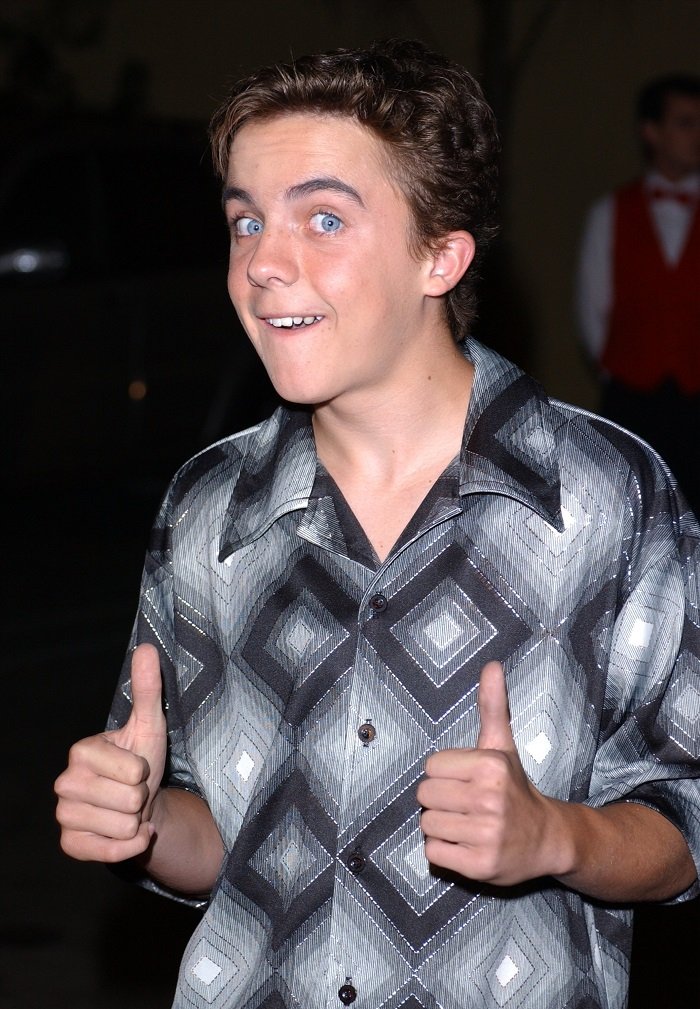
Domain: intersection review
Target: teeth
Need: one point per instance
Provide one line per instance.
(289, 321)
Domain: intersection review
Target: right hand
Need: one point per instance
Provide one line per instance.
(107, 792)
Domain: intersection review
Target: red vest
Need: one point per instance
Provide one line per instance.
(654, 328)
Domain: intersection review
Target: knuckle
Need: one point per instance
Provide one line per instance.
(72, 844)
(124, 827)
(61, 813)
(487, 868)
(119, 850)
(136, 799)
(496, 761)
(59, 785)
(131, 826)
(113, 851)
(66, 845)
(425, 821)
(79, 751)
(135, 769)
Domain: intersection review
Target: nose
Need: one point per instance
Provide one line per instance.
(273, 261)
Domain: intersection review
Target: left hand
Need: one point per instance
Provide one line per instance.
(482, 817)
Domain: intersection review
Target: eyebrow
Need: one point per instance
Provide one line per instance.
(323, 183)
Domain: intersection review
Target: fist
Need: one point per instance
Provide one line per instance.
(482, 817)
(107, 792)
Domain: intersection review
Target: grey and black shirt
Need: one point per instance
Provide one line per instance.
(306, 684)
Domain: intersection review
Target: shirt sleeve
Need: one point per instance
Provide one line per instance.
(593, 294)
(650, 751)
(154, 624)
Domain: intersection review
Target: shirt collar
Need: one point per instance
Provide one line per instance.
(276, 476)
(509, 443)
(508, 448)
(689, 184)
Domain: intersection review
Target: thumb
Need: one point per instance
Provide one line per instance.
(145, 731)
(146, 691)
(495, 732)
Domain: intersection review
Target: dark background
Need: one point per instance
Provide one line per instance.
(120, 363)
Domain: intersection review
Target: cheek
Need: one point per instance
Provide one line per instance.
(236, 281)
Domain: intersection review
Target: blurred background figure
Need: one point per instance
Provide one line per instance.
(638, 285)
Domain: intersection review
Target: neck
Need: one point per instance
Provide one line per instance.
(387, 454)
(671, 173)
(388, 436)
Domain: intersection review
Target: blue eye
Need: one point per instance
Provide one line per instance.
(326, 222)
(247, 226)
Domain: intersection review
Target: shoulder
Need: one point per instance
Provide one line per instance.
(621, 474)
(601, 210)
(599, 214)
(607, 447)
(213, 475)
(597, 229)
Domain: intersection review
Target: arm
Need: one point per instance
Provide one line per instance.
(186, 851)
(594, 293)
(484, 819)
(110, 804)
(624, 852)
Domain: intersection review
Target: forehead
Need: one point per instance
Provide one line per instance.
(678, 106)
(298, 143)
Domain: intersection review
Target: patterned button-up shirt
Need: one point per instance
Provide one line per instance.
(306, 684)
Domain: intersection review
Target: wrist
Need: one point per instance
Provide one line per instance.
(563, 836)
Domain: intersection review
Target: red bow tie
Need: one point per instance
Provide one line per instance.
(687, 199)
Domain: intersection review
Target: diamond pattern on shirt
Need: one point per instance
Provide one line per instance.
(524, 436)
(209, 971)
(439, 658)
(680, 712)
(518, 543)
(402, 860)
(418, 911)
(442, 630)
(303, 636)
(290, 858)
(513, 969)
(393, 760)
(299, 637)
(283, 858)
(242, 761)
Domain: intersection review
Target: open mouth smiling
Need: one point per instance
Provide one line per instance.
(293, 321)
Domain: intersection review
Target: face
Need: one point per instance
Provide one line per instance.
(675, 140)
(320, 270)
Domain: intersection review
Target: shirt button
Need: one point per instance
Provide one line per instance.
(356, 862)
(347, 994)
(367, 732)
(378, 603)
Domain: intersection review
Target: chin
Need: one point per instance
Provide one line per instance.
(297, 389)
(295, 394)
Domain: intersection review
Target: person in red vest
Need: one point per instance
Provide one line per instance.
(638, 285)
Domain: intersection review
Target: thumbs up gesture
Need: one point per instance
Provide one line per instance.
(106, 794)
(482, 817)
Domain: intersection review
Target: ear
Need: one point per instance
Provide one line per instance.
(448, 265)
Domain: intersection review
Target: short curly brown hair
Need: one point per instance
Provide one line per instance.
(431, 114)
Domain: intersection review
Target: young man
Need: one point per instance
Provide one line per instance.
(332, 598)
(638, 295)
